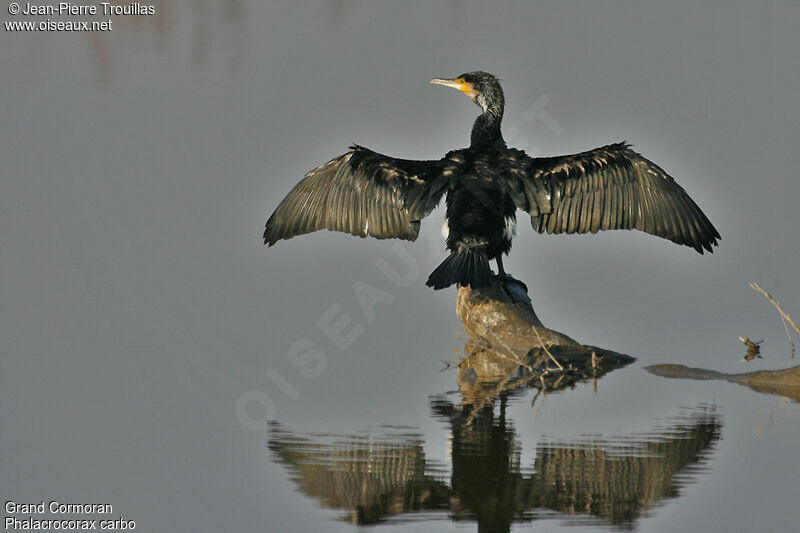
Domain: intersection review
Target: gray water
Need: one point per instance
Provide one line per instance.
(147, 334)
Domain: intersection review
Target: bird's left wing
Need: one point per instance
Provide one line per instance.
(614, 187)
(360, 192)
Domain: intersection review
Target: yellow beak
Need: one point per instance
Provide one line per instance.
(455, 83)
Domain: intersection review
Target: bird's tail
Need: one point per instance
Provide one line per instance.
(466, 268)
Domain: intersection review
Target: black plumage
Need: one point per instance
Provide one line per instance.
(613, 187)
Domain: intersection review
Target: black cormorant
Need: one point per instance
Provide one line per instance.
(366, 193)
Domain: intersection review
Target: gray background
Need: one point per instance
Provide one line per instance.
(138, 304)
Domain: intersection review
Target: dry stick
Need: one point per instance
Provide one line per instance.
(755, 286)
(561, 368)
(789, 335)
(784, 315)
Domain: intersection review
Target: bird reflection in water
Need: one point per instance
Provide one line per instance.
(385, 475)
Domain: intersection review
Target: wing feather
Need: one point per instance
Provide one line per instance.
(360, 192)
(612, 187)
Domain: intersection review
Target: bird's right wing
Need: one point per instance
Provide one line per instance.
(612, 187)
(360, 192)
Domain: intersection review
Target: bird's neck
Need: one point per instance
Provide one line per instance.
(486, 130)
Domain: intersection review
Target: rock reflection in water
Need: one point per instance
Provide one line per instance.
(385, 474)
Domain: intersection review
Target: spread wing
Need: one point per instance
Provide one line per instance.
(360, 192)
(614, 187)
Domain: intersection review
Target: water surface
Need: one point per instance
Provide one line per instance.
(140, 307)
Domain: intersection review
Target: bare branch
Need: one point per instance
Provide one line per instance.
(546, 350)
(788, 334)
(756, 287)
(784, 315)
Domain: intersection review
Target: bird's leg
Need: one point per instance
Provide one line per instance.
(503, 277)
(501, 273)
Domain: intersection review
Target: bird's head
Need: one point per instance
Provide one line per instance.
(483, 88)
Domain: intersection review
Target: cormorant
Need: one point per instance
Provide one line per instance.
(365, 193)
